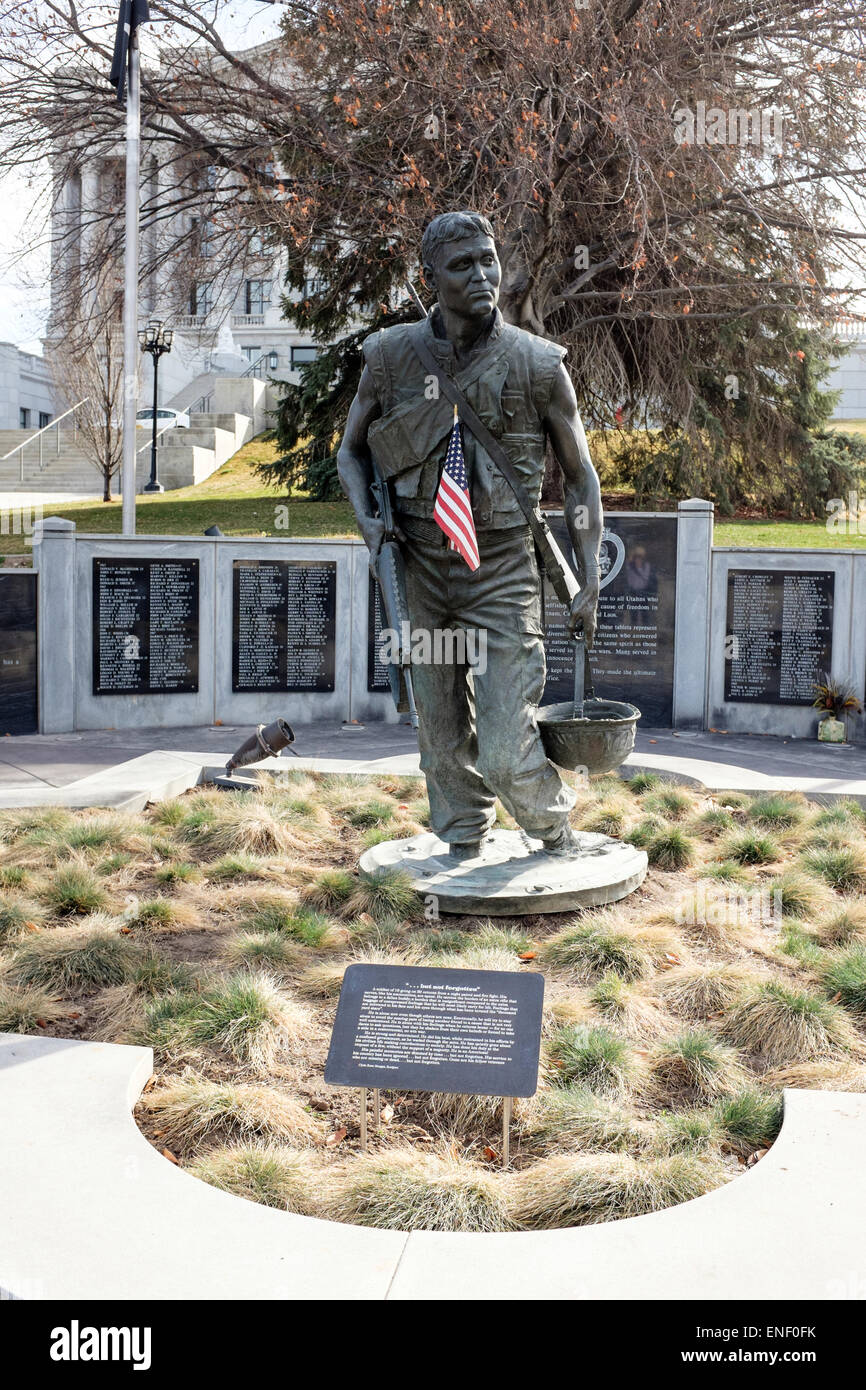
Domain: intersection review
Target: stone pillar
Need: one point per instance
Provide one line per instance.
(55, 560)
(691, 643)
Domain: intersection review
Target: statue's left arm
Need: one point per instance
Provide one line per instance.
(581, 497)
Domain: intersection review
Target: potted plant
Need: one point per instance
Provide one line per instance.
(838, 701)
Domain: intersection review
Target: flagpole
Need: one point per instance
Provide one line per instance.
(130, 286)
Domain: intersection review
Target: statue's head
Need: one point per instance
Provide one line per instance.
(460, 263)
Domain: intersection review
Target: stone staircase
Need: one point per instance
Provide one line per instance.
(185, 456)
(68, 470)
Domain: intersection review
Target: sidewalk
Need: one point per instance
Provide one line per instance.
(716, 761)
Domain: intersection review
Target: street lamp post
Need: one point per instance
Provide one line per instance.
(156, 339)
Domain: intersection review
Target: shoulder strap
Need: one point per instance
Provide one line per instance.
(493, 448)
(555, 564)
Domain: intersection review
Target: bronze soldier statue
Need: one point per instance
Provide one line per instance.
(478, 734)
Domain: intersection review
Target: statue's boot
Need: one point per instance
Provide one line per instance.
(565, 844)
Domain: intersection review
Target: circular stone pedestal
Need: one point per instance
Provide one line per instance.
(512, 875)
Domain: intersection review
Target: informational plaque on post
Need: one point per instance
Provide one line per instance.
(18, 704)
(145, 626)
(467, 1032)
(633, 655)
(284, 625)
(779, 636)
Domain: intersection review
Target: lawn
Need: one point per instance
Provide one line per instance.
(235, 499)
(216, 928)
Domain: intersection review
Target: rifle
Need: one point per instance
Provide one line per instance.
(390, 572)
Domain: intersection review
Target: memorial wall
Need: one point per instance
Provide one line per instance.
(781, 621)
(18, 654)
(155, 631)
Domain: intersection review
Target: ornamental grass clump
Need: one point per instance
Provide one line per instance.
(17, 917)
(268, 949)
(844, 978)
(776, 811)
(274, 1175)
(671, 848)
(644, 831)
(85, 958)
(624, 1005)
(74, 891)
(162, 914)
(386, 893)
(194, 1110)
(607, 817)
(843, 922)
(751, 847)
(843, 869)
(119, 1011)
(751, 1119)
(408, 1190)
(784, 1025)
(26, 1008)
(643, 782)
(593, 1057)
(698, 991)
(249, 1018)
(694, 1065)
(574, 1117)
(567, 1190)
(595, 945)
(714, 822)
(670, 803)
(329, 891)
(795, 894)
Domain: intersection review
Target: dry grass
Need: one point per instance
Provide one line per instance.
(271, 1174)
(193, 1111)
(783, 1025)
(572, 1191)
(224, 926)
(698, 991)
(408, 1190)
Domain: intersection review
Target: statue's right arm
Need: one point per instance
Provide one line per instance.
(354, 465)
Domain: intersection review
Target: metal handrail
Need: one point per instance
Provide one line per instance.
(253, 365)
(53, 425)
(203, 401)
(149, 443)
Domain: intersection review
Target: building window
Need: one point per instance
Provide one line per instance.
(252, 354)
(302, 355)
(199, 300)
(44, 419)
(257, 294)
(23, 418)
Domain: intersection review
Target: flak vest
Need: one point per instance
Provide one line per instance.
(507, 380)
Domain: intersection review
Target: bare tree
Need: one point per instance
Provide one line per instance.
(675, 187)
(88, 360)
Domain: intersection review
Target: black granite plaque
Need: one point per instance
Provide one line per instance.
(145, 627)
(633, 655)
(18, 660)
(467, 1032)
(377, 671)
(779, 637)
(284, 625)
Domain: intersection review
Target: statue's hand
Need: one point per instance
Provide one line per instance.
(373, 531)
(583, 613)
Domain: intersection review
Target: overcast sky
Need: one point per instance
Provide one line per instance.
(23, 271)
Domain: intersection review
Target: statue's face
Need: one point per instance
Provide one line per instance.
(467, 275)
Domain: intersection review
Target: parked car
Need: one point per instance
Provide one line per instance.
(165, 418)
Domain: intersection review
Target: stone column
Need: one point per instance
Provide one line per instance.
(55, 560)
(691, 643)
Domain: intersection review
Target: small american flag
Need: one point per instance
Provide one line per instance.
(453, 509)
